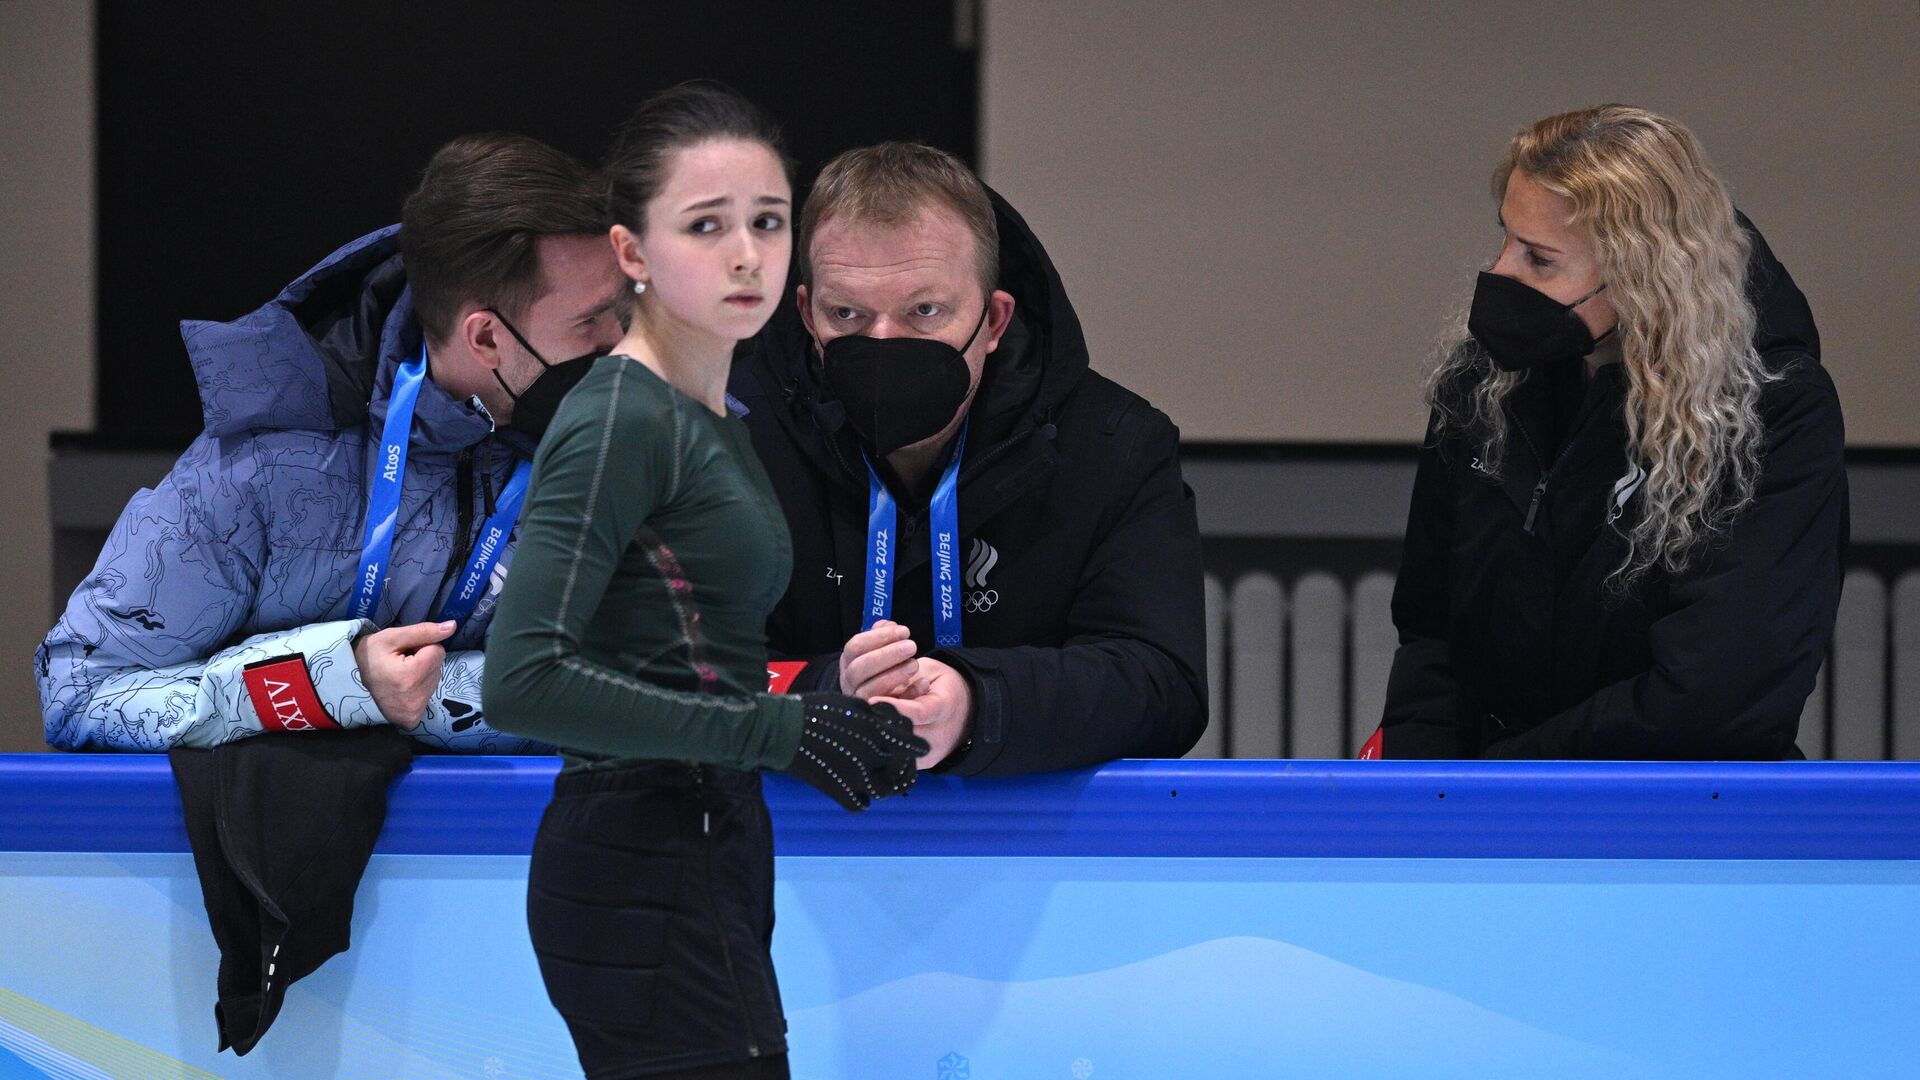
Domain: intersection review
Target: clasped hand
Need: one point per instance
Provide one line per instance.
(882, 665)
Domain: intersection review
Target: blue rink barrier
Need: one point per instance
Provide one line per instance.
(1145, 919)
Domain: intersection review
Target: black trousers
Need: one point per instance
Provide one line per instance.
(650, 906)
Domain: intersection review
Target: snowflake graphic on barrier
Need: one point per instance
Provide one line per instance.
(1082, 1068)
(495, 1068)
(953, 1067)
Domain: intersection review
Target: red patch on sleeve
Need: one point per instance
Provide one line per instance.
(284, 697)
(781, 673)
(1371, 751)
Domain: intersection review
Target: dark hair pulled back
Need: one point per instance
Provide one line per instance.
(674, 119)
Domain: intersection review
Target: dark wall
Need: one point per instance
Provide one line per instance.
(239, 144)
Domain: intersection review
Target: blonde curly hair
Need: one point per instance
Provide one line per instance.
(1674, 259)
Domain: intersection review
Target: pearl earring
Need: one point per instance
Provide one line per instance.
(639, 287)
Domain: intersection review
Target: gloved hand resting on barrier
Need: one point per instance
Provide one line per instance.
(855, 752)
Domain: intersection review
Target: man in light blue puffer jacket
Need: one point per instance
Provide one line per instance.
(222, 604)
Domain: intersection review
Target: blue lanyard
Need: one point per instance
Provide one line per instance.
(486, 554)
(943, 520)
(383, 509)
(383, 495)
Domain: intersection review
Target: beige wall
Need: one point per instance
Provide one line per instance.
(46, 311)
(1266, 211)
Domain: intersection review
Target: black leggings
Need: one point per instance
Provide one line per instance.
(650, 906)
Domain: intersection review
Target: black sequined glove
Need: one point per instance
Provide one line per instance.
(855, 752)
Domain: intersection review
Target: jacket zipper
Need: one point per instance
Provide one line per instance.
(486, 492)
(1533, 504)
(713, 908)
(1546, 478)
(463, 495)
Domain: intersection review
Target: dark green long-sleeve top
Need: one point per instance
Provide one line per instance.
(633, 621)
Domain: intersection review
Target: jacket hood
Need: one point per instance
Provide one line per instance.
(1049, 342)
(1036, 365)
(1784, 327)
(322, 355)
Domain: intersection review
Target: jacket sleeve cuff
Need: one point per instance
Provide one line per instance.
(987, 726)
(822, 674)
(786, 715)
(321, 676)
(452, 721)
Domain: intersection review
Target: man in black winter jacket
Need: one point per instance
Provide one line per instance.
(985, 532)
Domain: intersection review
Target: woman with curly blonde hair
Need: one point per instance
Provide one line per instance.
(1629, 517)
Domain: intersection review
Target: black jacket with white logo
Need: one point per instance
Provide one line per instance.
(1085, 635)
(1512, 643)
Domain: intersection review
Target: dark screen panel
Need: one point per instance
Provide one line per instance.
(239, 144)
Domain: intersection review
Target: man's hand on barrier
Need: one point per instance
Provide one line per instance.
(879, 663)
(401, 667)
(941, 711)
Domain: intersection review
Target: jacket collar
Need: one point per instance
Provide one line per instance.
(1598, 429)
(442, 423)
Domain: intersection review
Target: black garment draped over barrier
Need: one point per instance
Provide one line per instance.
(282, 826)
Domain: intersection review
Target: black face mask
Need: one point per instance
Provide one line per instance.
(534, 406)
(1522, 327)
(898, 391)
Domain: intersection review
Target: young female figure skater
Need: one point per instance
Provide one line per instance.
(631, 632)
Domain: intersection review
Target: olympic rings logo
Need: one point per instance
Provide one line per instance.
(980, 601)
